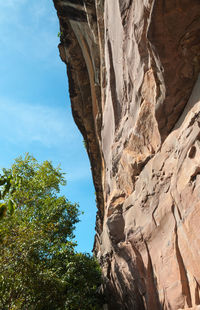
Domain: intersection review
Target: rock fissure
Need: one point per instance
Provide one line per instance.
(183, 273)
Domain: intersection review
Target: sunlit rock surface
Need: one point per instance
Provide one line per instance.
(133, 71)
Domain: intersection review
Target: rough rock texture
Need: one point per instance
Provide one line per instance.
(133, 69)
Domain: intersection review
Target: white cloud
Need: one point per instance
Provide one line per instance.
(79, 172)
(37, 129)
(30, 123)
(28, 27)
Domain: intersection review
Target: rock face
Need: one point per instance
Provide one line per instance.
(133, 69)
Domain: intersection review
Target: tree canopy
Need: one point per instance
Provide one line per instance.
(40, 268)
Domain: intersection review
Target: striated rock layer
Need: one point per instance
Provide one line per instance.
(133, 70)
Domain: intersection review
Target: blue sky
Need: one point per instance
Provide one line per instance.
(34, 103)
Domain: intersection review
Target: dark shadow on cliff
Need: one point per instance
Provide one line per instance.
(194, 98)
(136, 288)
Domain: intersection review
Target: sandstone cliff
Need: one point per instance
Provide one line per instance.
(133, 70)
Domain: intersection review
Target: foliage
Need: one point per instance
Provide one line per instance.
(60, 34)
(85, 144)
(7, 186)
(39, 268)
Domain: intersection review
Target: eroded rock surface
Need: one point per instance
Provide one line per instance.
(133, 71)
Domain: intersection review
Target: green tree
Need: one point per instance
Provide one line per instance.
(40, 268)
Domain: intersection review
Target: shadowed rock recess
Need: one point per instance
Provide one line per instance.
(133, 69)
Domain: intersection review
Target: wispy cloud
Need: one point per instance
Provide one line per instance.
(27, 123)
(28, 27)
(34, 128)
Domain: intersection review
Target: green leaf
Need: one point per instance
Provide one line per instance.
(11, 206)
(6, 189)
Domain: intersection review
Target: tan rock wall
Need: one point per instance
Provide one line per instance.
(132, 68)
